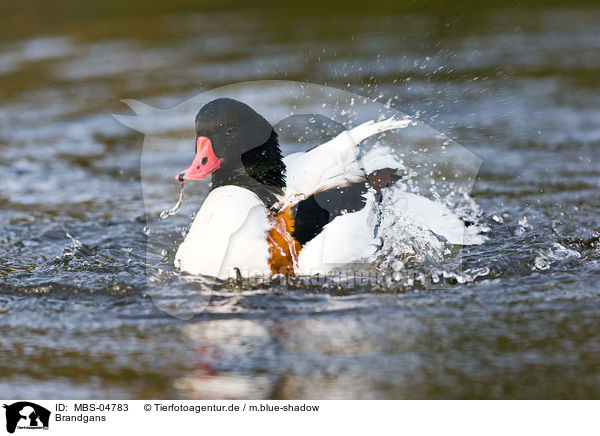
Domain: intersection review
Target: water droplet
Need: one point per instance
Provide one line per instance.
(541, 263)
(166, 213)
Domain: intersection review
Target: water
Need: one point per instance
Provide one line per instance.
(519, 88)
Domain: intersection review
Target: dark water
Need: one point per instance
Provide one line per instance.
(518, 87)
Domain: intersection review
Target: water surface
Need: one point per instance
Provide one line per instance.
(517, 87)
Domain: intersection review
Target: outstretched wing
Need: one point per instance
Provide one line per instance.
(332, 164)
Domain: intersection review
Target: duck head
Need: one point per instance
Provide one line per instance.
(238, 147)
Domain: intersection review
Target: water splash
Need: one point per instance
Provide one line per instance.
(167, 213)
(556, 254)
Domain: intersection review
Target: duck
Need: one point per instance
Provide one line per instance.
(303, 214)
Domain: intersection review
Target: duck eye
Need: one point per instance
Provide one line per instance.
(230, 131)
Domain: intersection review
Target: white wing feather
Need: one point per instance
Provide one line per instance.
(332, 163)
